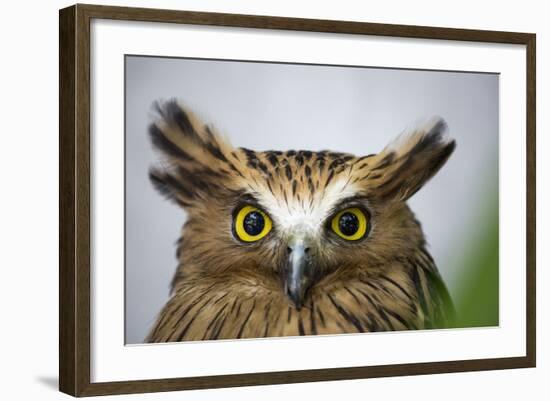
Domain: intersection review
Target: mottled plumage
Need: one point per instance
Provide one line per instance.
(301, 278)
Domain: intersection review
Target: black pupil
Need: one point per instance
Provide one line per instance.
(253, 223)
(348, 224)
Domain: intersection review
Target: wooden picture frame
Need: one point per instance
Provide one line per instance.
(75, 199)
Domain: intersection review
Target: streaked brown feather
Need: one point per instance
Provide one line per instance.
(222, 290)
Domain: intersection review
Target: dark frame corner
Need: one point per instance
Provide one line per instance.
(74, 198)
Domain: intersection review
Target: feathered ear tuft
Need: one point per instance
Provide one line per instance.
(405, 165)
(197, 158)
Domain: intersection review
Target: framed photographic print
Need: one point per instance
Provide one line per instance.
(251, 200)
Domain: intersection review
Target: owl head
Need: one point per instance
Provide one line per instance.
(290, 221)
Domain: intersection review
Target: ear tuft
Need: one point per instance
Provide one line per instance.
(405, 165)
(173, 115)
(197, 164)
(432, 133)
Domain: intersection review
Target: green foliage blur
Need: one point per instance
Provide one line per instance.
(477, 297)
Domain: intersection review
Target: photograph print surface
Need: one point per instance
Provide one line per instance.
(273, 199)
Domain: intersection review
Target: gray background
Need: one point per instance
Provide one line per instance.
(286, 106)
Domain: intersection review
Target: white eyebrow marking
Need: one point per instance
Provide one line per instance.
(301, 215)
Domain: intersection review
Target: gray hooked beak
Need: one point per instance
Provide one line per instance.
(298, 274)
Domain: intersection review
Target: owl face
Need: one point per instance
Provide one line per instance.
(291, 221)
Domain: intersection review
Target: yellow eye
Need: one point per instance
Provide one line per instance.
(251, 224)
(350, 224)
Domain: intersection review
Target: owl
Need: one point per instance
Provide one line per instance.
(293, 243)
